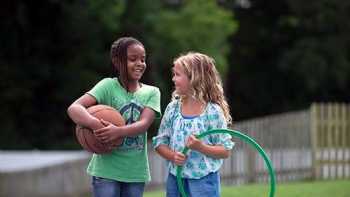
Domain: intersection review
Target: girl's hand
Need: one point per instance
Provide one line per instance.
(194, 143)
(179, 158)
(109, 134)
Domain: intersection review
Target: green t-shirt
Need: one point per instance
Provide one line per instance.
(129, 161)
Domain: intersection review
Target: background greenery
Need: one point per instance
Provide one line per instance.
(274, 56)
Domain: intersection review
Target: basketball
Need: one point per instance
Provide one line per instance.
(86, 137)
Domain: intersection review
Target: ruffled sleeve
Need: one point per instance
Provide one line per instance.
(165, 127)
(219, 122)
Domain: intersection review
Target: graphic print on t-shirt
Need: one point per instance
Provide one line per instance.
(131, 112)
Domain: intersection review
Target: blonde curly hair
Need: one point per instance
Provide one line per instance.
(205, 81)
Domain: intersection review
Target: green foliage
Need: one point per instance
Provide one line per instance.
(321, 49)
(53, 52)
(199, 25)
(288, 54)
(284, 55)
(195, 25)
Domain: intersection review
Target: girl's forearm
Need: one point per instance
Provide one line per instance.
(80, 116)
(139, 126)
(165, 152)
(217, 152)
(134, 129)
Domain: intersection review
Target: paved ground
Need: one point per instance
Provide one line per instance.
(12, 161)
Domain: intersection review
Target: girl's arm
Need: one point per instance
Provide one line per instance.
(78, 113)
(176, 157)
(217, 151)
(111, 133)
(146, 118)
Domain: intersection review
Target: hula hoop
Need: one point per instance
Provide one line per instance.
(243, 137)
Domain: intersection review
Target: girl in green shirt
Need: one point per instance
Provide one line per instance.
(124, 171)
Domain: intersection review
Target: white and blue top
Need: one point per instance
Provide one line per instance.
(175, 128)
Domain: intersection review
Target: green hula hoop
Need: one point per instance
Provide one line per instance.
(243, 137)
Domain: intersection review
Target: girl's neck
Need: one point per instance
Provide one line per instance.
(133, 86)
(192, 107)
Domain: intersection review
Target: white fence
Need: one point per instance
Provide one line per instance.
(330, 136)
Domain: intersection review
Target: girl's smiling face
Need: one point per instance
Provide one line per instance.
(136, 62)
(181, 80)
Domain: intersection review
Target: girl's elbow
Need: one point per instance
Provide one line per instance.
(146, 124)
(226, 154)
(69, 110)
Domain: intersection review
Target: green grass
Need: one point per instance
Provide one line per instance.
(339, 188)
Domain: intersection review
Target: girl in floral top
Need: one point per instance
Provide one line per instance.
(198, 105)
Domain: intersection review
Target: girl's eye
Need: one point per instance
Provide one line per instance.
(134, 59)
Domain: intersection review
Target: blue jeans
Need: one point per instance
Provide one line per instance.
(208, 186)
(103, 187)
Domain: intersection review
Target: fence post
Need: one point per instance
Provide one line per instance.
(251, 167)
(345, 140)
(314, 145)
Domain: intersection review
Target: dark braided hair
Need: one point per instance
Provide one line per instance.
(119, 57)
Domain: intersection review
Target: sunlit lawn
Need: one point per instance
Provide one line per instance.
(339, 188)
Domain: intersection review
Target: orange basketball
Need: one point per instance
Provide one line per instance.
(85, 136)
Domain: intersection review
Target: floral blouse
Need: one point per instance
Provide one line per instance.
(175, 128)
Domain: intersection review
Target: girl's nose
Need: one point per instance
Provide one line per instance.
(141, 63)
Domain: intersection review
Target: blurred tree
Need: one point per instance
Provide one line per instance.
(54, 51)
(284, 55)
(288, 54)
(196, 25)
(319, 59)
(51, 51)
